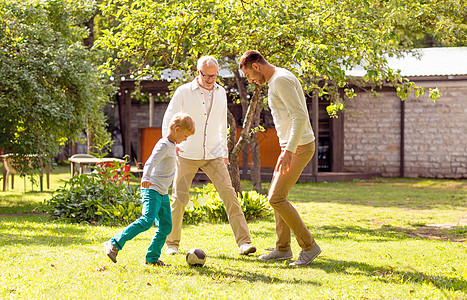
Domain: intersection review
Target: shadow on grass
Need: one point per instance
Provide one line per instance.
(38, 230)
(232, 274)
(14, 204)
(390, 275)
(356, 233)
(378, 273)
(383, 233)
(392, 233)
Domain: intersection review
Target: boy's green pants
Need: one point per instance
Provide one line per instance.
(156, 208)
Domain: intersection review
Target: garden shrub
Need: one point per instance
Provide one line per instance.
(254, 205)
(93, 199)
(207, 206)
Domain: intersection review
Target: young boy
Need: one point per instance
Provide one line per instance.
(158, 173)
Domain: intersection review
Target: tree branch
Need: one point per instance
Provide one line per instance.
(180, 38)
(247, 122)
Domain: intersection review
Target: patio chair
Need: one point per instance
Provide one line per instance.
(117, 172)
(125, 175)
(9, 170)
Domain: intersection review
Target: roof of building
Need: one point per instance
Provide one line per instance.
(445, 61)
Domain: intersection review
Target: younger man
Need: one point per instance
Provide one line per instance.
(158, 174)
(290, 114)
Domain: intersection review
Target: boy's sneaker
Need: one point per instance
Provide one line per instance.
(111, 251)
(307, 257)
(246, 249)
(277, 255)
(171, 251)
(158, 263)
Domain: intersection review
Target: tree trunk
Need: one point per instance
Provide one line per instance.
(233, 167)
(89, 40)
(255, 170)
(237, 148)
(242, 92)
(88, 136)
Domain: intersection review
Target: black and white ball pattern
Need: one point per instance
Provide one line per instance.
(196, 257)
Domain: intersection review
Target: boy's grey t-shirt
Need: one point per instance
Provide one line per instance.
(159, 169)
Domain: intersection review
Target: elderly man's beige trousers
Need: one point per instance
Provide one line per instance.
(217, 172)
(286, 215)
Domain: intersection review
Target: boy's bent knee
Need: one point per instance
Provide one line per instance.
(146, 223)
(165, 231)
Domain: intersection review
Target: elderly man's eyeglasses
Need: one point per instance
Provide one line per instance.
(208, 76)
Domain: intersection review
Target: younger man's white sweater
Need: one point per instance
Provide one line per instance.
(289, 111)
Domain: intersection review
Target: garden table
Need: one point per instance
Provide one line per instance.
(83, 161)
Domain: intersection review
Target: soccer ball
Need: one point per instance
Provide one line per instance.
(196, 257)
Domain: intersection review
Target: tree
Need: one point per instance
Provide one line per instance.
(50, 89)
(152, 37)
(317, 40)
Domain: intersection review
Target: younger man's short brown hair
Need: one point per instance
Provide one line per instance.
(249, 57)
(184, 121)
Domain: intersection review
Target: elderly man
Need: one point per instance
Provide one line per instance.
(206, 102)
(290, 114)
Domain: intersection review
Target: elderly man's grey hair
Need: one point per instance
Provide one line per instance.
(207, 61)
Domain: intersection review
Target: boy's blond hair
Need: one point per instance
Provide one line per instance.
(184, 121)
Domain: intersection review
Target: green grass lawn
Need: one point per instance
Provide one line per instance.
(381, 239)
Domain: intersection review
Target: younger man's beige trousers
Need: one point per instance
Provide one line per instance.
(286, 215)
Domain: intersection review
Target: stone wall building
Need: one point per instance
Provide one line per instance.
(372, 134)
(416, 137)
